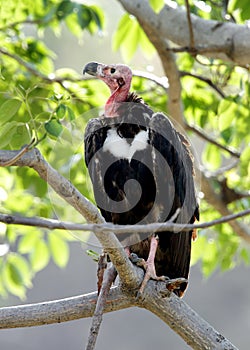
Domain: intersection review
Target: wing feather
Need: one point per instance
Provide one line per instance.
(173, 171)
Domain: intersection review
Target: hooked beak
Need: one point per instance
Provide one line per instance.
(91, 68)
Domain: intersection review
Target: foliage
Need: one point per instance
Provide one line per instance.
(54, 106)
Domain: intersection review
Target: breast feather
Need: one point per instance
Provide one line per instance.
(120, 148)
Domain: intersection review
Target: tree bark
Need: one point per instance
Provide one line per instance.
(223, 40)
(194, 330)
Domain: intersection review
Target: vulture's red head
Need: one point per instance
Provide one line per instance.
(118, 79)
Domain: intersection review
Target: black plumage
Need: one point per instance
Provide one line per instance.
(149, 183)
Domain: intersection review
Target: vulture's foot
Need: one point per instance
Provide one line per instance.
(150, 273)
(134, 258)
(148, 266)
(174, 285)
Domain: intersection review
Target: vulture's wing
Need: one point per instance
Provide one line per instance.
(174, 176)
(95, 135)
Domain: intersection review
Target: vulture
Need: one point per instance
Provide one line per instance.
(142, 172)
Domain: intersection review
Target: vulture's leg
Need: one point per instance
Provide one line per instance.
(149, 265)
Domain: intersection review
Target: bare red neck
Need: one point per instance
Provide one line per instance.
(118, 96)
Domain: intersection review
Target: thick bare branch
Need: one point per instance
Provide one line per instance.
(58, 311)
(197, 333)
(224, 40)
(172, 310)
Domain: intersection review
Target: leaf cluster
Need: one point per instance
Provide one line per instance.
(37, 101)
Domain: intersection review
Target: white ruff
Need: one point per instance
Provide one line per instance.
(120, 148)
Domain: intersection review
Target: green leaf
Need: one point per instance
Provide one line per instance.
(129, 36)
(94, 255)
(198, 248)
(243, 7)
(211, 157)
(6, 133)
(71, 114)
(227, 110)
(97, 16)
(39, 257)
(145, 44)
(245, 155)
(66, 135)
(65, 8)
(60, 111)
(54, 127)
(73, 25)
(59, 249)
(209, 262)
(245, 255)
(27, 242)
(17, 275)
(121, 32)
(22, 136)
(156, 5)
(8, 109)
(84, 16)
(131, 40)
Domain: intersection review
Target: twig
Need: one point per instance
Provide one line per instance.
(216, 201)
(205, 136)
(102, 265)
(26, 21)
(205, 80)
(162, 82)
(190, 27)
(221, 171)
(198, 49)
(29, 67)
(100, 305)
(18, 155)
(118, 229)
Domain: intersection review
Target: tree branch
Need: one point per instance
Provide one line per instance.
(197, 333)
(62, 310)
(117, 229)
(160, 81)
(171, 309)
(190, 26)
(241, 229)
(100, 306)
(205, 80)
(227, 41)
(210, 139)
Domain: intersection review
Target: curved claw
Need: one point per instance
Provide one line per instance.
(174, 285)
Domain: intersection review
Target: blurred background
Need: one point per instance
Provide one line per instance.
(223, 299)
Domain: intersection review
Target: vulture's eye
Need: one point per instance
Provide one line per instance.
(112, 70)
